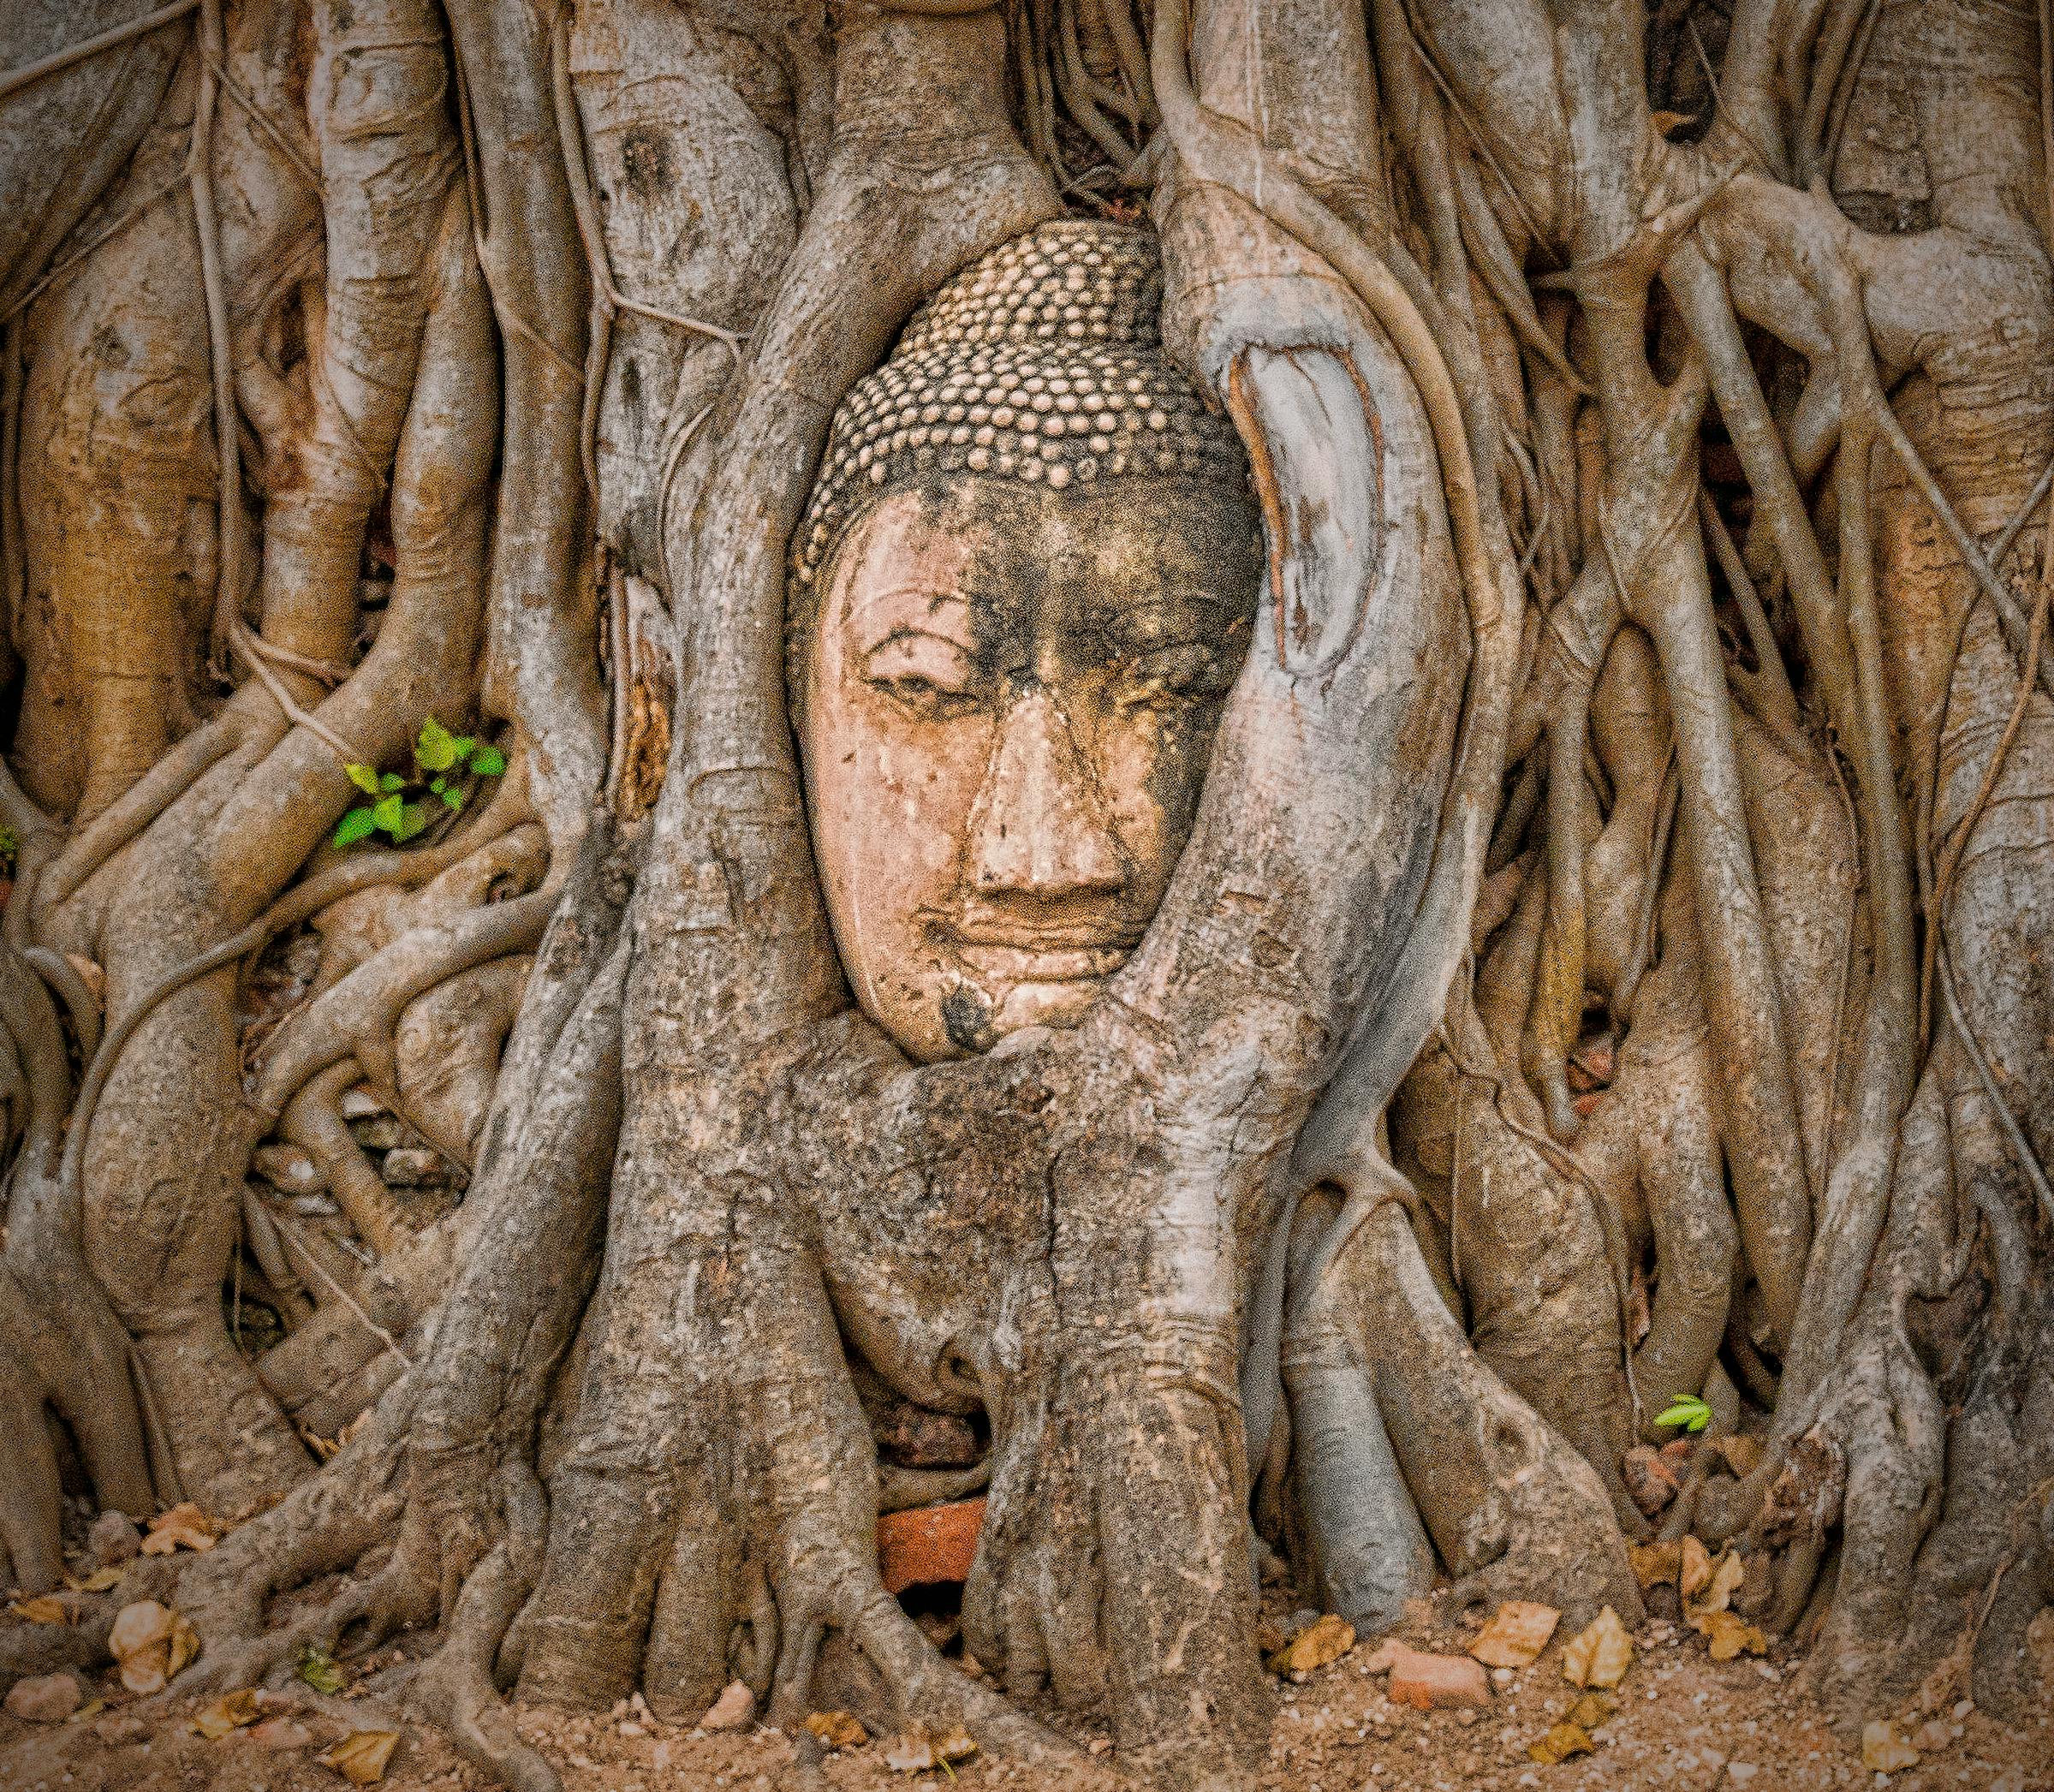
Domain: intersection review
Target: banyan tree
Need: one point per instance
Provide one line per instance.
(1284, 755)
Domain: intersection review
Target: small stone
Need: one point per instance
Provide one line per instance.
(734, 1708)
(43, 1698)
(1437, 1682)
(1933, 1735)
(113, 1539)
(378, 1132)
(281, 1735)
(1883, 1750)
(1650, 1477)
(413, 1166)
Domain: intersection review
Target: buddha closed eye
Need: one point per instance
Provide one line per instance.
(1006, 670)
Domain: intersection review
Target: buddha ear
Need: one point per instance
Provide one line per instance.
(1318, 459)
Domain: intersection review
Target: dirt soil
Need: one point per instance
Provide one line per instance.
(1682, 1721)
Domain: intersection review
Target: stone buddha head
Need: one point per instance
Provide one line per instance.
(1021, 593)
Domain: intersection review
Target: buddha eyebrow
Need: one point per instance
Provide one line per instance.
(865, 618)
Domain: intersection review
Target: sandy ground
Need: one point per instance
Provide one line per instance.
(1681, 1721)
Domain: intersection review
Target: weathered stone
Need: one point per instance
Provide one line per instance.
(929, 1546)
(43, 1698)
(734, 1708)
(112, 1539)
(1437, 1682)
(414, 1166)
(1650, 1477)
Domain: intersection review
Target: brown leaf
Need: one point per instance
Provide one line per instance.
(838, 1730)
(184, 1526)
(1326, 1639)
(954, 1744)
(1559, 1743)
(144, 1670)
(44, 1609)
(1696, 1572)
(910, 1752)
(1729, 1633)
(185, 1645)
(362, 1757)
(1715, 1592)
(1601, 1654)
(226, 1715)
(98, 1581)
(137, 1627)
(1655, 1564)
(1741, 1449)
(1592, 1709)
(1518, 1631)
(152, 1643)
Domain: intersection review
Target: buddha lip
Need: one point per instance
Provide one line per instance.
(1015, 963)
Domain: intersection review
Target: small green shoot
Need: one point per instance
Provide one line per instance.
(399, 804)
(1687, 1411)
(10, 846)
(318, 1669)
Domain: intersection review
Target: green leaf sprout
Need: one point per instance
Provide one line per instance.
(443, 764)
(1687, 1411)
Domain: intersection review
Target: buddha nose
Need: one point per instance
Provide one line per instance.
(1038, 827)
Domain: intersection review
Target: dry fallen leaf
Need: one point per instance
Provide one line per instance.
(1741, 1449)
(1601, 1654)
(362, 1757)
(1729, 1633)
(838, 1730)
(1655, 1564)
(139, 1626)
(1709, 1586)
(954, 1744)
(1883, 1750)
(1592, 1709)
(226, 1715)
(152, 1643)
(44, 1609)
(184, 1526)
(1518, 1631)
(97, 1581)
(1327, 1640)
(909, 1752)
(1559, 1743)
(1695, 1575)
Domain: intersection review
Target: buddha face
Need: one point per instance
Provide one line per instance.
(1005, 719)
